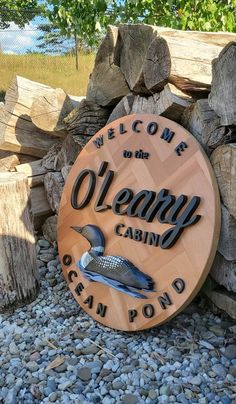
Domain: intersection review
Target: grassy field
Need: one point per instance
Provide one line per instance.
(56, 71)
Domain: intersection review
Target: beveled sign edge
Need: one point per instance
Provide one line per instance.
(215, 239)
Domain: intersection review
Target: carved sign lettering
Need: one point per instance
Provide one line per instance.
(138, 222)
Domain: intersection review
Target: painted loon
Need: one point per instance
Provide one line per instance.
(114, 271)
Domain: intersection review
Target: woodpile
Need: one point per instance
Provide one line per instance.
(188, 77)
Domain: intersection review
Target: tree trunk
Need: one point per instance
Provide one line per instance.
(19, 282)
(76, 53)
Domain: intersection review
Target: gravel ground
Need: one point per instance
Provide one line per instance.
(51, 351)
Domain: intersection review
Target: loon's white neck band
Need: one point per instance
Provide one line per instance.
(86, 259)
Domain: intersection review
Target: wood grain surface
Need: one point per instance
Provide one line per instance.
(191, 256)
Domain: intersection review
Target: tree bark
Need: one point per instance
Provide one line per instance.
(205, 126)
(87, 119)
(223, 160)
(54, 183)
(40, 207)
(144, 58)
(19, 281)
(169, 103)
(71, 147)
(107, 84)
(227, 242)
(224, 272)
(223, 90)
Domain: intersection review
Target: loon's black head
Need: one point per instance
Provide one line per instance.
(92, 233)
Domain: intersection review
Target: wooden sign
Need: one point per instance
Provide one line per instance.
(139, 222)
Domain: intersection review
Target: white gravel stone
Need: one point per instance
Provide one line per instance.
(179, 365)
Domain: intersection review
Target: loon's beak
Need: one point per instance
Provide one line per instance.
(78, 229)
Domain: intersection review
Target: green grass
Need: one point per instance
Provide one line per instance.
(55, 71)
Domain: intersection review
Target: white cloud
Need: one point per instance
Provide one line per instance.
(16, 40)
(10, 52)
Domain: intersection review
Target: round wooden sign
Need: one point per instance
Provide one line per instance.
(139, 222)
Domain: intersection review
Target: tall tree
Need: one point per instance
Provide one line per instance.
(51, 40)
(80, 18)
(86, 18)
(18, 11)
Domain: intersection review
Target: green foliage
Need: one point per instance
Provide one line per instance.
(87, 19)
(18, 11)
(80, 17)
(207, 15)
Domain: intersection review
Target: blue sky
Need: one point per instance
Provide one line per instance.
(16, 40)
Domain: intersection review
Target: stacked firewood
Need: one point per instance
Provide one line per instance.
(188, 77)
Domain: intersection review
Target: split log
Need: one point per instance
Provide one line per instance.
(87, 119)
(107, 84)
(70, 149)
(223, 90)
(220, 297)
(54, 183)
(227, 242)
(9, 163)
(22, 158)
(19, 282)
(17, 132)
(201, 120)
(144, 58)
(166, 103)
(224, 272)
(191, 57)
(213, 38)
(40, 207)
(225, 301)
(76, 99)
(49, 229)
(65, 172)
(123, 108)
(182, 57)
(223, 160)
(48, 112)
(48, 161)
(34, 171)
